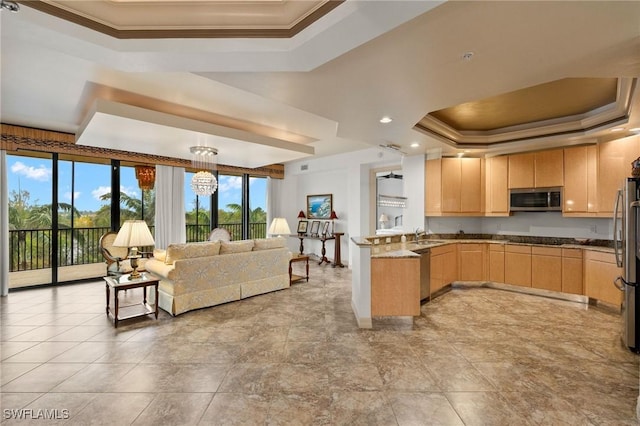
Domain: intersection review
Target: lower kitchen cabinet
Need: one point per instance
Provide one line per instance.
(444, 266)
(496, 263)
(600, 270)
(572, 271)
(546, 268)
(472, 261)
(395, 286)
(517, 265)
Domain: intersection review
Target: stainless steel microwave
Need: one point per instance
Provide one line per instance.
(536, 199)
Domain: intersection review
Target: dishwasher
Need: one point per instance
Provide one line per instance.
(425, 270)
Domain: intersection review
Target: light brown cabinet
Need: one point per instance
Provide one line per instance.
(600, 270)
(444, 266)
(445, 193)
(395, 286)
(546, 268)
(580, 196)
(472, 261)
(456, 196)
(572, 271)
(433, 187)
(496, 263)
(536, 170)
(517, 265)
(614, 164)
(497, 192)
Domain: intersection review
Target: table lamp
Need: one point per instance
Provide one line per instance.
(383, 219)
(333, 217)
(279, 226)
(134, 234)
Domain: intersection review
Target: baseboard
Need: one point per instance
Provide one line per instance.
(363, 322)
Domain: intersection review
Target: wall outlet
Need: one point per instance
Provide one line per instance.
(594, 229)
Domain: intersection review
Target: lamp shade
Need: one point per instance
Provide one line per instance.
(333, 215)
(301, 215)
(383, 218)
(279, 226)
(134, 233)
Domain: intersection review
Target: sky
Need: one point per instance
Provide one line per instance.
(93, 180)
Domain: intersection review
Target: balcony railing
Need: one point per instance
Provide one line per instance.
(31, 249)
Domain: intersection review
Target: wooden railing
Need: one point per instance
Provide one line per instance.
(31, 249)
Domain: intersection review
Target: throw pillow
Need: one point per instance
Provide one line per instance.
(236, 246)
(268, 243)
(159, 254)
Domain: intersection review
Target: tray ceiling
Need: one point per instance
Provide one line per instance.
(554, 108)
(130, 19)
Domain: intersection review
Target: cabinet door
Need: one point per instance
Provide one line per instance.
(599, 272)
(451, 184)
(575, 180)
(450, 260)
(614, 164)
(497, 187)
(546, 268)
(548, 170)
(471, 185)
(592, 178)
(471, 257)
(517, 265)
(572, 271)
(521, 171)
(436, 274)
(433, 188)
(496, 263)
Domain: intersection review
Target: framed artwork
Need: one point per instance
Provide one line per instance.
(302, 227)
(315, 227)
(325, 228)
(319, 206)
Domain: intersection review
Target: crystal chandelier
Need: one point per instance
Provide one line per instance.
(204, 159)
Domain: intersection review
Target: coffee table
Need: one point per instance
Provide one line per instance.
(122, 282)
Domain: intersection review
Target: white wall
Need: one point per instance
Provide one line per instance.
(346, 177)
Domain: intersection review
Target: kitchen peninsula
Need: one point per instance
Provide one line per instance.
(387, 273)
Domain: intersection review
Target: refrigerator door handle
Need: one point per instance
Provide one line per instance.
(616, 242)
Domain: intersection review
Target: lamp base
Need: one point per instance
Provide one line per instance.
(134, 275)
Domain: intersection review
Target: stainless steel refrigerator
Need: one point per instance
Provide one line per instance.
(626, 239)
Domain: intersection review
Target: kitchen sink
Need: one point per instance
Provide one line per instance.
(428, 242)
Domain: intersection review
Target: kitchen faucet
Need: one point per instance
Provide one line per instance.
(417, 233)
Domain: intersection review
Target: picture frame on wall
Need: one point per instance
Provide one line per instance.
(325, 228)
(315, 227)
(319, 206)
(302, 227)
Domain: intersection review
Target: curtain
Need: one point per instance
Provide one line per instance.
(170, 220)
(4, 225)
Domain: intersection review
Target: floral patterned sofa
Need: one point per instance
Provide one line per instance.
(197, 275)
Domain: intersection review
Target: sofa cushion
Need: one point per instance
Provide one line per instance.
(268, 243)
(159, 254)
(236, 246)
(191, 250)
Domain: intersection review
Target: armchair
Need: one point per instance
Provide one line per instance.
(112, 255)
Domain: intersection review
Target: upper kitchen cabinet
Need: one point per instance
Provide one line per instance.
(614, 165)
(454, 186)
(536, 170)
(580, 181)
(433, 188)
(497, 175)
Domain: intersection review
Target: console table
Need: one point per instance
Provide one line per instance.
(337, 261)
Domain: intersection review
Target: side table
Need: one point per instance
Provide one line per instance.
(298, 258)
(122, 282)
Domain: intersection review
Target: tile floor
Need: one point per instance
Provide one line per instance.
(474, 356)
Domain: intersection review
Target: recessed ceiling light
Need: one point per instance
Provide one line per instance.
(386, 119)
(617, 129)
(415, 145)
(467, 56)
